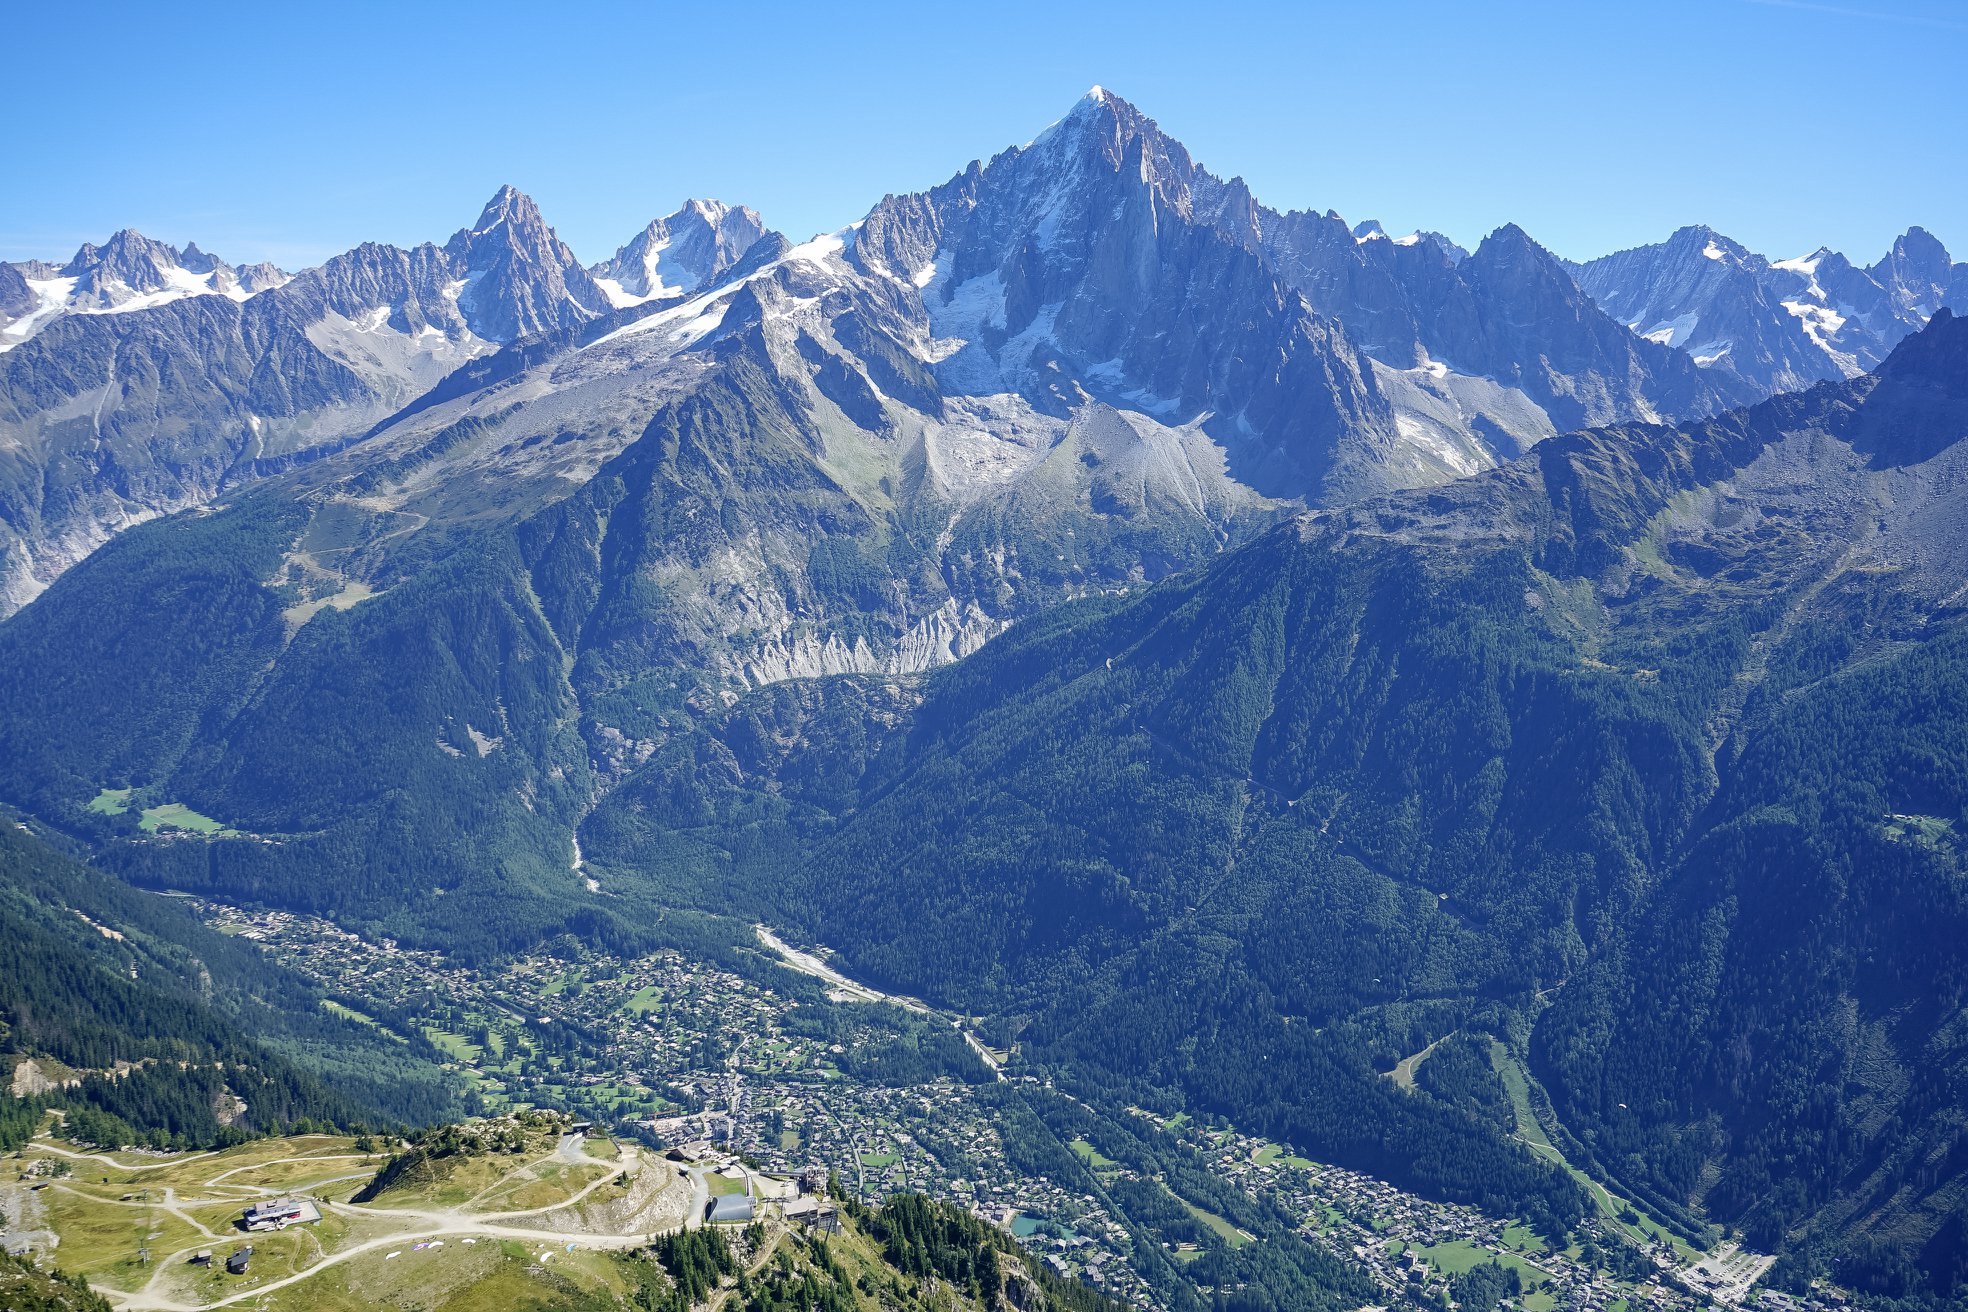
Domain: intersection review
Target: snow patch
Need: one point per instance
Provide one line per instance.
(1821, 322)
(819, 250)
(51, 296)
(619, 296)
(1670, 332)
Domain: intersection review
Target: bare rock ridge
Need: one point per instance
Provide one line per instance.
(1268, 356)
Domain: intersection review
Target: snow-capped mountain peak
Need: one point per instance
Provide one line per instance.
(128, 272)
(679, 253)
(1778, 324)
(519, 277)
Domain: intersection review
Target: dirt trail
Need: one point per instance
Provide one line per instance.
(420, 1225)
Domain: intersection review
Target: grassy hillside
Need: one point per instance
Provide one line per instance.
(514, 1212)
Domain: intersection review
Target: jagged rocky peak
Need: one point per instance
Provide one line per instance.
(1051, 199)
(128, 257)
(1373, 230)
(1511, 249)
(128, 265)
(1106, 133)
(509, 221)
(680, 252)
(1700, 240)
(1916, 273)
(261, 277)
(519, 277)
(128, 271)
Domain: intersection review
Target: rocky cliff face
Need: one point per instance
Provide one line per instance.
(519, 278)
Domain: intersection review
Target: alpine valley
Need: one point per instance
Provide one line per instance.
(1287, 766)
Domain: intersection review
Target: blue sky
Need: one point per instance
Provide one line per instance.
(292, 131)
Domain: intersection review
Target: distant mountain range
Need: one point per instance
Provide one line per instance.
(1778, 325)
(138, 380)
(142, 380)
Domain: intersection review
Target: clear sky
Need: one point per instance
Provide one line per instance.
(291, 131)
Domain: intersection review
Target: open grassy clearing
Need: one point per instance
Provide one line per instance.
(112, 801)
(455, 1046)
(1516, 1082)
(1230, 1234)
(130, 1223)
(1458, 1256)
(1921, 830)
(721, 1184)
(114, 1244)
(1404, 1070)
(176, 815)
(1524, 1239)
(1092, 1156)
(538, 1186)
(353, 593)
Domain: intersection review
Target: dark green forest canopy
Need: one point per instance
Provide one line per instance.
(1663, 725)
(162, 1019)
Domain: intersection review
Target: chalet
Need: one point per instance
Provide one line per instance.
(694, 1153)
(236, 1264)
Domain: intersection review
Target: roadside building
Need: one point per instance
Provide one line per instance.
(277, 1214)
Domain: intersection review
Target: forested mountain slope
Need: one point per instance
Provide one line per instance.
(1664, 725)
(121, 1009)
